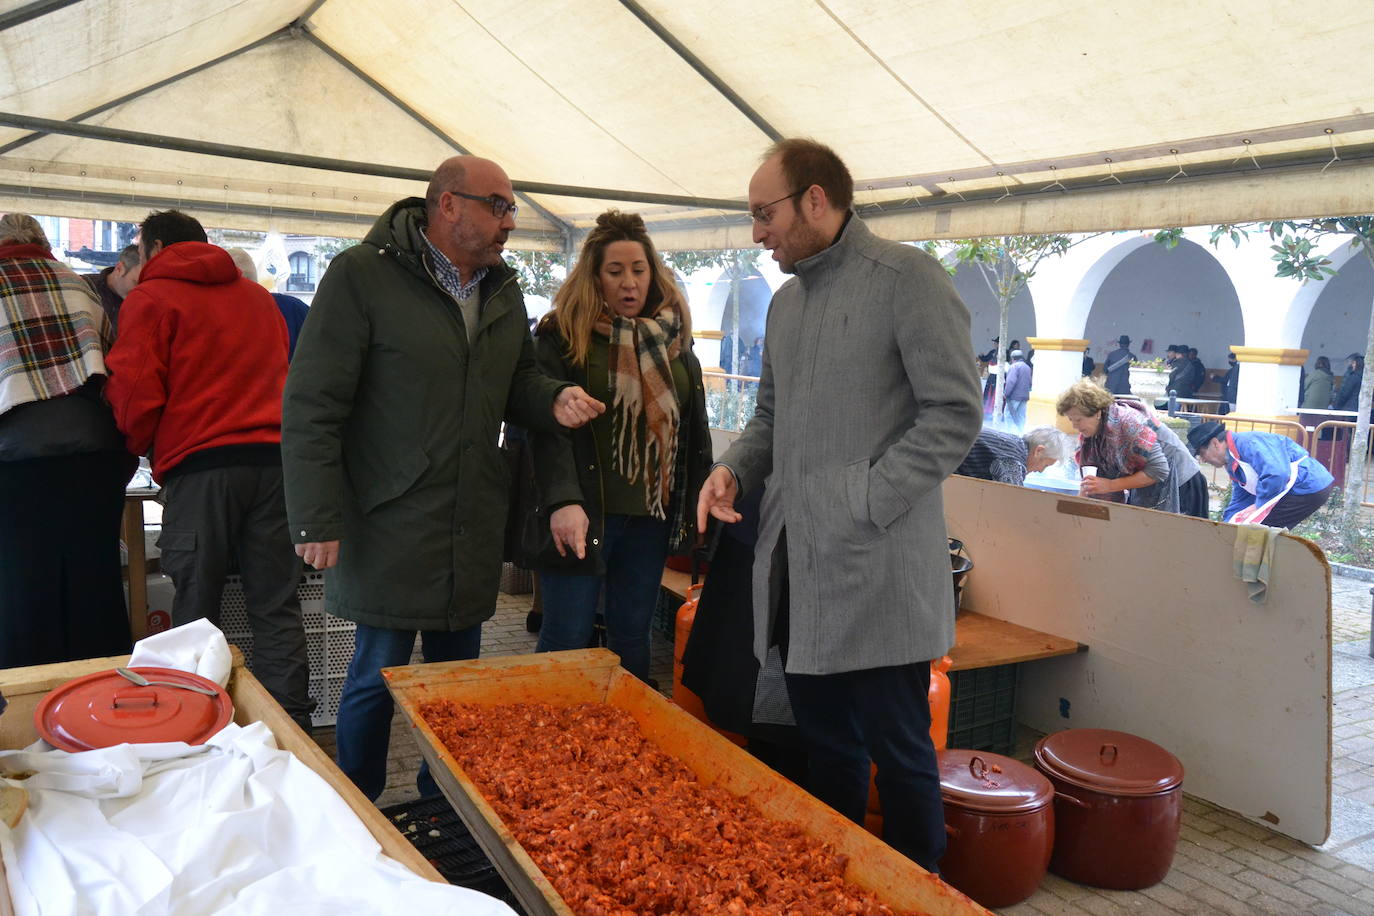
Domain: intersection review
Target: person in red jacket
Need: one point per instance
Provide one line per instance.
(196, 379)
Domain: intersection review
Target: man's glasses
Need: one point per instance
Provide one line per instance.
(499, 205)
(761, 214)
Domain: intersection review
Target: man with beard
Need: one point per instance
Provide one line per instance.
(415, 350)
(867, 402)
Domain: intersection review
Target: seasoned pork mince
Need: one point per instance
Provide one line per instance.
(622, 828)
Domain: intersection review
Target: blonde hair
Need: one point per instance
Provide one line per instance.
(22, 229)
(578, 305)
(1087, 396)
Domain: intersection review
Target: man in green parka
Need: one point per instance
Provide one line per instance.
(414, 351)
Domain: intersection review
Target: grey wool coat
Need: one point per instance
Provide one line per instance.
(868, 400)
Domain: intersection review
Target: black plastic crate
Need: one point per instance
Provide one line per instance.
(442, 838)
(982, 709)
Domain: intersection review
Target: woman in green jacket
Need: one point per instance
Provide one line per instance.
(617, 496)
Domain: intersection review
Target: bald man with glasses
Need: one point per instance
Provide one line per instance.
(415, 350)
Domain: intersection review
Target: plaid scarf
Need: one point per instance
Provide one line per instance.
(1121, 445)
(54, 334)
(642, 398)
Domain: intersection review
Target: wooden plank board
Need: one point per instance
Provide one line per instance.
(1239, 691)
(554, 678)
(24, 688)
(981, 641)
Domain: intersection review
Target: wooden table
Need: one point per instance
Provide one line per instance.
(979, 641)
(132, 533)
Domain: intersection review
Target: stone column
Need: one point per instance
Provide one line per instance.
(1058, 364)
(1268, 383)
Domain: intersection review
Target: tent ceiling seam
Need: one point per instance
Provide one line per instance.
(904, 84)
(696, 63)
(571, 104)
(1236, 141)
(303, 20)
(362, 221)
(560, 224)
(151, 87)
(30, 11)
(300, 160)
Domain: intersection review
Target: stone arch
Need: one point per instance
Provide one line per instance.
(1340, 306)
(1183, 295)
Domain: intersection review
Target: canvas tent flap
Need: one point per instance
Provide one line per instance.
(1046, 117)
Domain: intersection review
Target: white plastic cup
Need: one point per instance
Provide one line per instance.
(1088, 470)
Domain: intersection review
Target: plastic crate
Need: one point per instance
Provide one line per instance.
(328, 640)
(435, 829)
(982, 709)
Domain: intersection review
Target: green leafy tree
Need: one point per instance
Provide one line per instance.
(1006, 263)
(737, 263)
(541, 272)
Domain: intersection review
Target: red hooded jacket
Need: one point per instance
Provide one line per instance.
(200, 359)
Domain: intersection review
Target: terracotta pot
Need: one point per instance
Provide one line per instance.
(1000, 821)
(1118, 805)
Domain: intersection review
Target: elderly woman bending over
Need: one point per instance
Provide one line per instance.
(1139, 460)
(1006, 457)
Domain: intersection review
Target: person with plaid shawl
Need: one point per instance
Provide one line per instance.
(63, 465)
(615, 496)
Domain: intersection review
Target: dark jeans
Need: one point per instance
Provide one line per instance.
(60, 592)
(213, 515)
(882, 715)
(633, 549)
(363, 729)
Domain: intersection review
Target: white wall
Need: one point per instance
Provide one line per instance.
(983, 312)
(1339, 322)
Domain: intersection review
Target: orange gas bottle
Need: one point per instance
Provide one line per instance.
(684, 698)
(939, 733)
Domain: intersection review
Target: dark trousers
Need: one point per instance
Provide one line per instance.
(363, 730)
(880, 715)
(61, 597)
(1294, 508)
(213, 515)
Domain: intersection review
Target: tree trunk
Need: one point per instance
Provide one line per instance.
(1359, 446)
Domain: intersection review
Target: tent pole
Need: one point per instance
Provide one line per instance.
(324, 163)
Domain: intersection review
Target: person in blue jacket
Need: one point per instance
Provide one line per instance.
(1273, 480)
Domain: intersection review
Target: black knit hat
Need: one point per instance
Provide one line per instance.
(1203, 433)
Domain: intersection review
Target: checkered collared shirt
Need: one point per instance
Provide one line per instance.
(449, 276)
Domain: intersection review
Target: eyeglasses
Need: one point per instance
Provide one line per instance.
(764, 218)
(499, 205)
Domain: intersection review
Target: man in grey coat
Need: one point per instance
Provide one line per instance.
(866, 403)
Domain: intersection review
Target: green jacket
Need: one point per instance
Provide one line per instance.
(565, 466)
(389, 431)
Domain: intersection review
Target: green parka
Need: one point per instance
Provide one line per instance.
(390, 424)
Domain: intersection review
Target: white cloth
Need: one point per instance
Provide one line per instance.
(235, 827)
(1253, 559)
(198, 646)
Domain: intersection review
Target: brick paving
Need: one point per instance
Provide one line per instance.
(1224, 863)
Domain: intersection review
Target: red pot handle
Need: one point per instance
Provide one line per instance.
(978, 767)
(1071, 800)
(1102, 753)
(952, 831)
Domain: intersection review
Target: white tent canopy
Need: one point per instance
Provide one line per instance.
(956, 118)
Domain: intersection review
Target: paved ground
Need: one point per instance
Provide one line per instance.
(1224, 864)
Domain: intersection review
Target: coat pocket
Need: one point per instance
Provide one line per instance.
(378, 478)
(856, 495)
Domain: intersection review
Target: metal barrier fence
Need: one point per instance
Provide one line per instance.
(1330, 442)
(730, 398)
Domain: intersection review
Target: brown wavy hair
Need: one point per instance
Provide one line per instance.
(1086, 395)
(578, 304)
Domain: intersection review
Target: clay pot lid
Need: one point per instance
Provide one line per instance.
(1107, 761)
(990, 783)
(104, 709)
